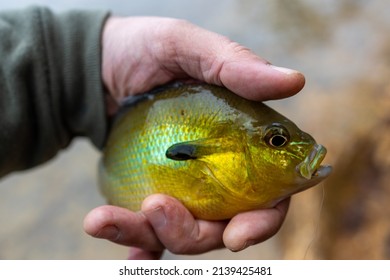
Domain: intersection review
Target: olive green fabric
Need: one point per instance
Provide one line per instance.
(50, 84)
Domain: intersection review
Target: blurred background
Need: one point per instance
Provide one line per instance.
(342, 47)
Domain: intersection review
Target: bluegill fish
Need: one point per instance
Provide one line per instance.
(216, 152)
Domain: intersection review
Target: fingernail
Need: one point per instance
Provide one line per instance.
(108, 232)
(247, 244)
(284, 70)
(156, 217)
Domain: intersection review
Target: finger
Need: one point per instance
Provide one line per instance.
(166, 49)
(178, 230)
(215, 59)
(122, 226)
(258, 81)
(142, 254)
(249, 228)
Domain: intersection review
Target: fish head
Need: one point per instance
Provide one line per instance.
(286, 159)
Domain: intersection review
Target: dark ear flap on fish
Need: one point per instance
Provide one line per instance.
(181, 151)
(197, 148)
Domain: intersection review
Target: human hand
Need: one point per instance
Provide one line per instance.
(141, 53)
(164, 223)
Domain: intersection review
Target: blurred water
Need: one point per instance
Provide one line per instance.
(342, 47)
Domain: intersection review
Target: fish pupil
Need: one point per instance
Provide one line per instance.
(278, 140)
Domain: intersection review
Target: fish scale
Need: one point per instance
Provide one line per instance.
(209, 148)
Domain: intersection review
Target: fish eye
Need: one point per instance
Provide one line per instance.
(276, 136)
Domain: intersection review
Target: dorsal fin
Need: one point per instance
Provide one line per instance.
(131, 101)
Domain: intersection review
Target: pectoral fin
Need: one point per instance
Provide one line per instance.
(198, 148)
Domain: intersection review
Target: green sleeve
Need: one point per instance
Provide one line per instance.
(50, 84)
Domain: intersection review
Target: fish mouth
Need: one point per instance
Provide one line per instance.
(311, 167)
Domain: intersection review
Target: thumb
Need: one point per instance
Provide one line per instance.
(215, 59)
(253, 79)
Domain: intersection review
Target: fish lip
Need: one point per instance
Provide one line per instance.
(322, 171)
(310, 167)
